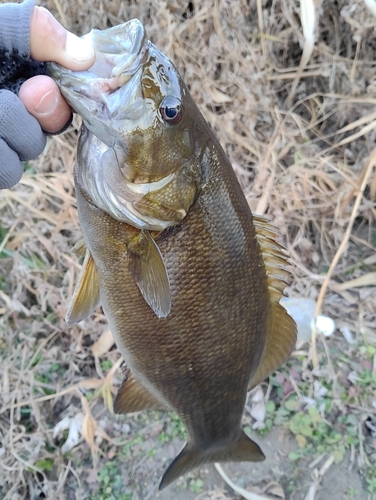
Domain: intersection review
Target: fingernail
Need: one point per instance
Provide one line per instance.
(78, 50)
(47, 104)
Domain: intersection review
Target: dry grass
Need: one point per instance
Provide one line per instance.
(309, 167)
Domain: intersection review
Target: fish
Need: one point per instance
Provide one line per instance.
(188, 278)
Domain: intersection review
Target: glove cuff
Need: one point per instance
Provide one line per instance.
(15, 28)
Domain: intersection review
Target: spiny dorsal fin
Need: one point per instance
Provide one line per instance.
(132, 396)
(275, 257)
(148, 269)
(86, 294)
(281, 336)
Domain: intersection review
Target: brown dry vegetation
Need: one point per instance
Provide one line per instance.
(310, 167)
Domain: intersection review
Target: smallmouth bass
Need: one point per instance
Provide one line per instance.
(188, 278)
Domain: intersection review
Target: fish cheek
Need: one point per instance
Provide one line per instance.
(173, 201)
(157, 151)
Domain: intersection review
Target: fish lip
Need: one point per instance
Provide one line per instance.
(119, 52)
(121, 46)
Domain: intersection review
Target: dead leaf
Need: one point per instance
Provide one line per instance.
(248, 495)
(217, 96)
(258, 411)
(74, 427)
(91, 383)
(275, 489)
(103, 344)
(107, 397)
(89, 427)
(258, 395)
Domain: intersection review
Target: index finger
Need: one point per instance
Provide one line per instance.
(50, 41)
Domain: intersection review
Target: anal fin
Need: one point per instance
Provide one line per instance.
(243, 450)
(132, 396)
(148, 269)
(86, 294)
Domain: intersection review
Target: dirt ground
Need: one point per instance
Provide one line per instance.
(301, 140)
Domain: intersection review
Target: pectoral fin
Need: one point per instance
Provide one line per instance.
(148, 269)
(86, 295)
(132, 396)
(243, 450)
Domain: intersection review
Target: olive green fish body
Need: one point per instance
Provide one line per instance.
(188, 279)
(212, 340)
(200, 358)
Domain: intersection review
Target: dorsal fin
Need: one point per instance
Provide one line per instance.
(281, 335)
(275, 257)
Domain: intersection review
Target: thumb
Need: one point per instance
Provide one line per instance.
(49, 41)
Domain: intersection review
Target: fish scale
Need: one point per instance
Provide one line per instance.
(191, 287)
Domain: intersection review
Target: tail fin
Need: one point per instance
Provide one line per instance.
(244, 450)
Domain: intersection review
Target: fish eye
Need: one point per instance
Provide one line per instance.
(171, 110)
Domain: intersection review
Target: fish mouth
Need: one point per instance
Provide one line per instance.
(98, 94)
(118, 50)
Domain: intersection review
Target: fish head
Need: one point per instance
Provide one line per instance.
(137, 155)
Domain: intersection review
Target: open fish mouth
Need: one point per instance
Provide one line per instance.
(119, 50)
(112, 80)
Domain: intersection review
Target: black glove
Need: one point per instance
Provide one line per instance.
(21, 137)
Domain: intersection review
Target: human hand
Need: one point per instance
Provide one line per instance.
(49, 41)
(40, 106)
